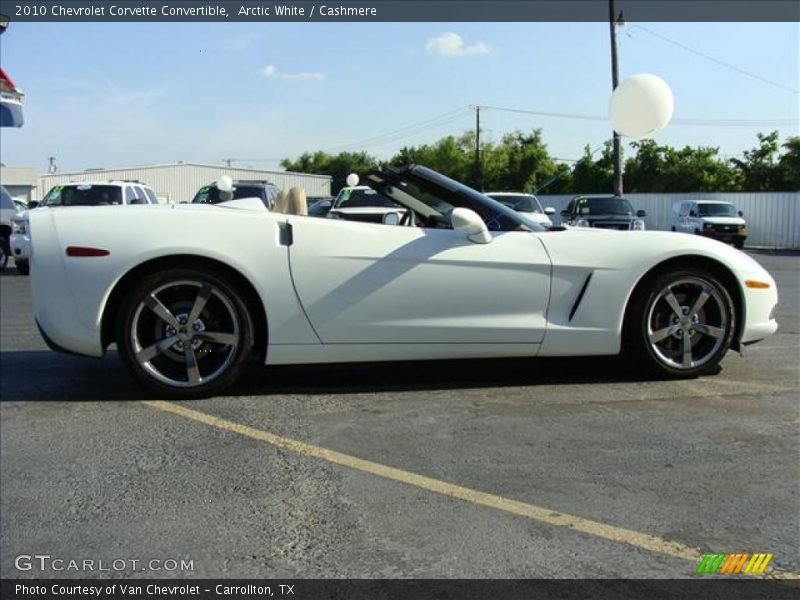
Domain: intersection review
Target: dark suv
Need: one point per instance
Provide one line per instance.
(605, 212)
(242, 188)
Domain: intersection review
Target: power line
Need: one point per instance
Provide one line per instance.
(393, 134)
(690, 122)
(721, 63)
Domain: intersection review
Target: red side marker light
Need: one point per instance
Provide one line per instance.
(79, 251)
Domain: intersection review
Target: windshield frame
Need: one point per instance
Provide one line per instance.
(497, 216)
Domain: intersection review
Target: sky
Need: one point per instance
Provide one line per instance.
(124, 94)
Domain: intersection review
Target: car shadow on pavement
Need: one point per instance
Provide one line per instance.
(48, 376)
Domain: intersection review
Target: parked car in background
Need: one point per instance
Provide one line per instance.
(79, 193)
(711, 218)
(242, 188)
(8, 211)
(526, 203)
(602, 212)
(362, 203)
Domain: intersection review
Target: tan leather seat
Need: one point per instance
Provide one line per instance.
(280, 203)
(296, 203)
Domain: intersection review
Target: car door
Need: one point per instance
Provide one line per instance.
(363, 283)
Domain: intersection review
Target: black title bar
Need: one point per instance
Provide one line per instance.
(403, 589)
(397, 10)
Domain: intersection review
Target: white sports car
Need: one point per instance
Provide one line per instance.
(190, 292)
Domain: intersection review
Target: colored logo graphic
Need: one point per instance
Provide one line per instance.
(733, 564)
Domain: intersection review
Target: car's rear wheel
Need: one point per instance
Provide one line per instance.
(185, 333)
(682, 323)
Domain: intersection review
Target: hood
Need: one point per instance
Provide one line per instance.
(724, 220)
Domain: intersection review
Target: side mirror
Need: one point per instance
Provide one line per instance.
(692, 213)
(565, 213)
(34, 203)
(549, 210)
(741, 214)
(470, 222)
(391, 218)
(641, 213)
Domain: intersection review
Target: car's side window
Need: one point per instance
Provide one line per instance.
(129, 194)
(151, 195)
(140, 194)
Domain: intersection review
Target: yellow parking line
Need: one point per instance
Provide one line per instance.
(531, 511)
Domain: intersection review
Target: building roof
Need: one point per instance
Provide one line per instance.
(185, 164)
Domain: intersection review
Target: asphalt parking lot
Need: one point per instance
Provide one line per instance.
(476, 469)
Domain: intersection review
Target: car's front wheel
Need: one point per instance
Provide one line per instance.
(185, 333)
(682, 323)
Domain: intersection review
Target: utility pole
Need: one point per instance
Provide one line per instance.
(478, 165)
(52, 168)
(617, 158)
(228, 161)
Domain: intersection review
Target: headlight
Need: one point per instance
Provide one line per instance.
(638, 225)
(20, 226)
(742, 228)
(708, 226)
(582, 223)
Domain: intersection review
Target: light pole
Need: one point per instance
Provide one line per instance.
(617, 158)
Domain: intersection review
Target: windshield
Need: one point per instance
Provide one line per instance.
(210, 193)
(604, 206)
(520, 202)
(432, 197)
(717, 210)
(83, 195)
(359, 197)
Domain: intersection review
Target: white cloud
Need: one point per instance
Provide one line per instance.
(451, 44)
(273, 72)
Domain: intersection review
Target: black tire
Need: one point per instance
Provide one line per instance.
(709, 328)
(738, 244)
(194, 365)
(5, 251)
(23, 266)
(673, 229)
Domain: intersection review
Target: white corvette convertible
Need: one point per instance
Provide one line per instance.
(189, 293)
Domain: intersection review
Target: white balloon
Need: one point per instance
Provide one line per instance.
(225, 184)
(352, 180)
(640, 106)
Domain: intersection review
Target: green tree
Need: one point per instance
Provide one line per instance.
(657, 169)
(789, 165)
(522, 163)
(759, 169)
(338, 166)
(452, 156)
(590, 175)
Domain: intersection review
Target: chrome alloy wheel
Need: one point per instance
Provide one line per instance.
(185, 333)
(687, 322)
